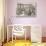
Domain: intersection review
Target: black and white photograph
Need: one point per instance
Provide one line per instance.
(26, 10)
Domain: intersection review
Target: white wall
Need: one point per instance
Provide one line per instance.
(39, 19)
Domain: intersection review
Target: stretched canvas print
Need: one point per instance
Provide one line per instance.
(25, 8)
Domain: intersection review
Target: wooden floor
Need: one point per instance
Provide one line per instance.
(43, 39)
(23, 43)
(18, 43)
